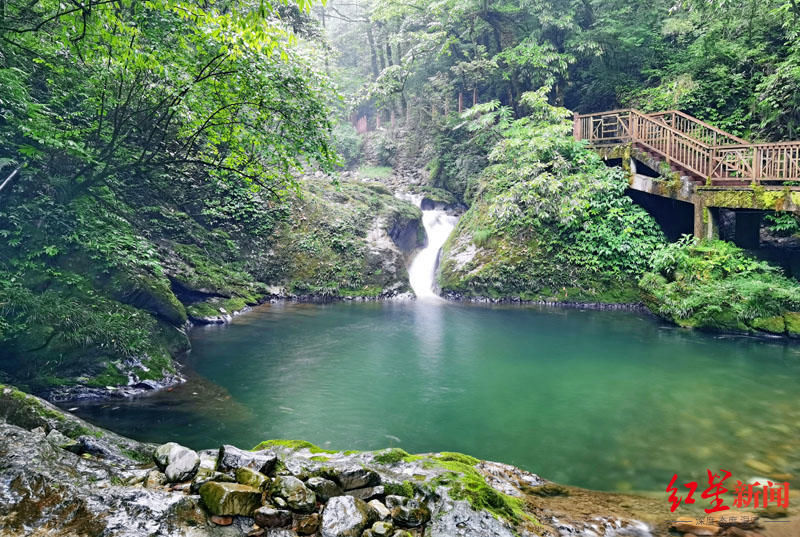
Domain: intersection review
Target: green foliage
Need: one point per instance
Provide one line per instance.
(714, 284)
(783, 224)
(348, 144)
(548, 216)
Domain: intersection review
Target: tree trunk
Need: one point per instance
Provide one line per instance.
(373, 56)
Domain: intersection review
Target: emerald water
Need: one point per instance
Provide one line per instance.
(607, 400)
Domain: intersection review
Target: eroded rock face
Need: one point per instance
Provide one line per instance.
(345, 516)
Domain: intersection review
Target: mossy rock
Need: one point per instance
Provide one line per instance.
(773, 325)
(230, 499)
(252, 478)
(792, 320)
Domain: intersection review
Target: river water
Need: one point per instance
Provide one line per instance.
(607, 400)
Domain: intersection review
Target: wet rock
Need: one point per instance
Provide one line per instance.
(367, 493)
(393, 500)
(204, 476)
(306, 524)
(410, 514)
(59, 440)
(325, 489)
(759, 466)
(773, 511)
(155, 479)
(458, 519)
(358, 477)
(183, 464)
(382, 529)
(382, 511)
(230, 458)
(230, 498)
(346, 516)
(269, 517)
(298, 497)
(221, 520)
(247, 476)
(161, 454)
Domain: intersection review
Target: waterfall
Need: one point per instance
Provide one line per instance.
(422, 273)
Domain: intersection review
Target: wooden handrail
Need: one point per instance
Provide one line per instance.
(686, 146)
(701, 123)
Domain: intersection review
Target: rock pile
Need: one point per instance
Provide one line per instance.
(343, 501)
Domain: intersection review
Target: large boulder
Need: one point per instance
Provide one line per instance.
(298, 497)
(230, 458)
(183, 464)
(226, 499)
(346, 516)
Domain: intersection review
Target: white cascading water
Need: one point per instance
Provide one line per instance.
(422, 273)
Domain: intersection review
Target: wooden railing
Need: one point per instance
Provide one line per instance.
(708, 154)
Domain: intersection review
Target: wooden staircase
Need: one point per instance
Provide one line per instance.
(706, 154)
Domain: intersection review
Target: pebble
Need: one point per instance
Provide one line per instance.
(221, 520)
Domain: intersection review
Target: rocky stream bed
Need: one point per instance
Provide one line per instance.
(61, 476)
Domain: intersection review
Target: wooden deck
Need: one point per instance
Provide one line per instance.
(709, 156)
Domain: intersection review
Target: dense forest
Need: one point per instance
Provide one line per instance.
(168, 160)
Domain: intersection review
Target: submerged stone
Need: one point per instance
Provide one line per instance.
(230, 498)
(346, 516)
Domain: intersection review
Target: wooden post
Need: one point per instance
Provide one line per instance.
(757, 164)
(460, 102)
(576, 126)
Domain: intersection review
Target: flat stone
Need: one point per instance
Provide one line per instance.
(253, 478)
(730, 518)
(306, 524)
(367, 493)
(225, 499)
(382, 510)
(346, 516)
(230, 458)
(298, 497)
(182, 464)
(325, 489)
(269, 517)
(221, 520)
(357, 478)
